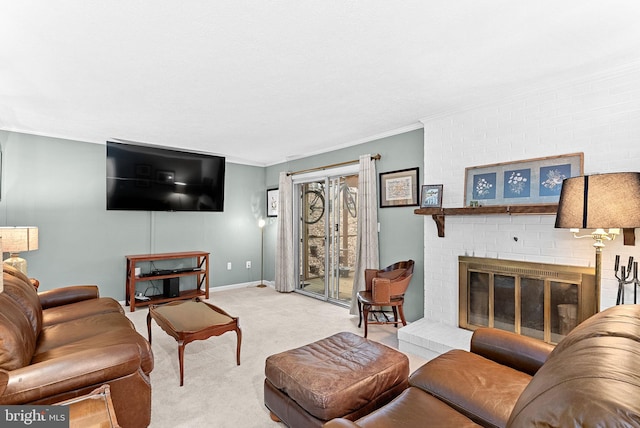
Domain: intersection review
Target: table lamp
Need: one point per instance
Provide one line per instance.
(600, 201)
(16, 240)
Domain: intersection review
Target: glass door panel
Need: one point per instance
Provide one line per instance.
(532, 307)
(479, 298)
(344, 226)
(564, 309)
(504, 296)
(312, 233)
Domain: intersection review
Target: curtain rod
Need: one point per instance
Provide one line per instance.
(333, 165)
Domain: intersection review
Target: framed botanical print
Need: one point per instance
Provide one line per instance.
(531, 181)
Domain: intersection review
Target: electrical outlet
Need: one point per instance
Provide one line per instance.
(248, 264)
(228, 265)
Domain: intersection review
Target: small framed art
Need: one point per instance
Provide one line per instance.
(272, 202)
(399, 188)
(431, 196)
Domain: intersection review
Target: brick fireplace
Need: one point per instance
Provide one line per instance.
(544, 301)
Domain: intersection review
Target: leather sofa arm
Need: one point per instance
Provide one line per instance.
(340, 423)
(519, 352)
(381, 290)
(67, 295)
(67, 373)
(4, 378)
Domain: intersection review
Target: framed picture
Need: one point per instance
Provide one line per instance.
(399, 188)
(431, 196)
(531, 181)
(272, 202)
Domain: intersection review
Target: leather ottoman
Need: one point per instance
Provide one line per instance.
(343, 375)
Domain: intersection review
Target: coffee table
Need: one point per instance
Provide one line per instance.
(191, 320)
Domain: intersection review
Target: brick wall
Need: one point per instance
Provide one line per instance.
(598, 115)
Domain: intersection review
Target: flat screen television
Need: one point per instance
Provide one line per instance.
(152, 178)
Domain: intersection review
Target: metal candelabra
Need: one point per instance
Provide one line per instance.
(623, 279)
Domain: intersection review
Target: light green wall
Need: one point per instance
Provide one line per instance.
(60, 186)
(401, 231)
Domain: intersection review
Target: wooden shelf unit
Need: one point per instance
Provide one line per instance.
(202, 262)
(438, 214)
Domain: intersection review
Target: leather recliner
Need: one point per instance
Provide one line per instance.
(66, 342)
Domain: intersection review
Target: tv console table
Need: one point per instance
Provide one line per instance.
(200, 270)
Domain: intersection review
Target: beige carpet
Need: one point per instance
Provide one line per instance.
(216, 391)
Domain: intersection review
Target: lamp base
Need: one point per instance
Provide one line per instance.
(16, 262)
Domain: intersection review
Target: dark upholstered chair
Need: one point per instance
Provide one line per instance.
(385, 287)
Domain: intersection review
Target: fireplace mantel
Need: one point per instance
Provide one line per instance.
(438, 214)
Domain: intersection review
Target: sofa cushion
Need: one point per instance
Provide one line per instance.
(17, 340)
(79, 310)
(24, 293)
(91, 332)
(481, 389)
(414, 408)
(10, 270)
(596, 384)
(617, 321)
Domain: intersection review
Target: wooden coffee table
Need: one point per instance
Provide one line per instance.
(191, 320)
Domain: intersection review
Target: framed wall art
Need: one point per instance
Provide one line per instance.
(272, 202)
(531, 181)
(399, 188)
(431, 196)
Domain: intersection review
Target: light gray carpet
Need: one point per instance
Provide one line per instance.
(216, 391)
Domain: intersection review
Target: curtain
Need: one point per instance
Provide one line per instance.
(367, 235)
(284, 280)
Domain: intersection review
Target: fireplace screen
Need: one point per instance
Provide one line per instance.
(544, 301)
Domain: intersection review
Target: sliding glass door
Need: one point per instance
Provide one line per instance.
(326, 236)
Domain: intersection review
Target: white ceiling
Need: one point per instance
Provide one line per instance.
(265, 81)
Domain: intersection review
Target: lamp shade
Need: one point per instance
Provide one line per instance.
(18, 239)
(600, 201)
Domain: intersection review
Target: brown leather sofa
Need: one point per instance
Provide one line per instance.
(63, 343)
(591, 378)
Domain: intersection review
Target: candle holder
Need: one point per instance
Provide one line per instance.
(623, 279)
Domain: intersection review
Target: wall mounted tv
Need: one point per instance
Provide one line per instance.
(152, 178)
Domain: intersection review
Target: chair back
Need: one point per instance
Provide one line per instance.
(407, 265)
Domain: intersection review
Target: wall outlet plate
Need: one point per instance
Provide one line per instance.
(248, 264)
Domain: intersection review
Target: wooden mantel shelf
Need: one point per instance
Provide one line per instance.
(438, 214)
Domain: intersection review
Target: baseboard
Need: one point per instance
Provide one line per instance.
(240, 285)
